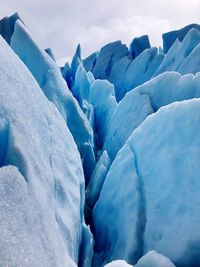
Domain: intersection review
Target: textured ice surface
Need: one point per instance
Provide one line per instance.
(129, 114)
(158, 159)
(120, 203)
(144, 100)
(172, 169)
(55, 89)
(37, 141)
(22, 240)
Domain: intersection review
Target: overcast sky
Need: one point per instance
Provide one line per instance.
(62, 24)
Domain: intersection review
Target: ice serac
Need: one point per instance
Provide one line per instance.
(168, 163)
(42, 203)
(157, 171)
(107, 56)
(67, 75)
(134, 72)
(145, 100)
(81, 87)
(96, 183)
(117, 76)
(129, 114)
(170, 37)
(170, 87)
(154, 259)
(191, 63)
(7, 26)
(125, 68)
(102, 98)
(75, 62)
(49, 78)
(138, 45)
(183, 56)
(90, 61)
(142, 68)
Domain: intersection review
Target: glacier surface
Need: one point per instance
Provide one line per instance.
(99, 159)
(37, 141)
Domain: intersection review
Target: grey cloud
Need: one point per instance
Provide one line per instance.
(61, 25)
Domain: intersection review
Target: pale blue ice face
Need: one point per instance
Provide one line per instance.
(36, 195)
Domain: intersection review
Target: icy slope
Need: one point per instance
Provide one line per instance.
(35, 139)
(145, 100)
(55, 89)
(151, 193)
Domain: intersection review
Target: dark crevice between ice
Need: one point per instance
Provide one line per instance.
(109, 66)
(4, 133)
(9, 153)
(128, 65)
(83, 241)
(141, 218)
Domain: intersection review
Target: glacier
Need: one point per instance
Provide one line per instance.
(157, 178)
(48, 76)
(99, 158)
(37, 142)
